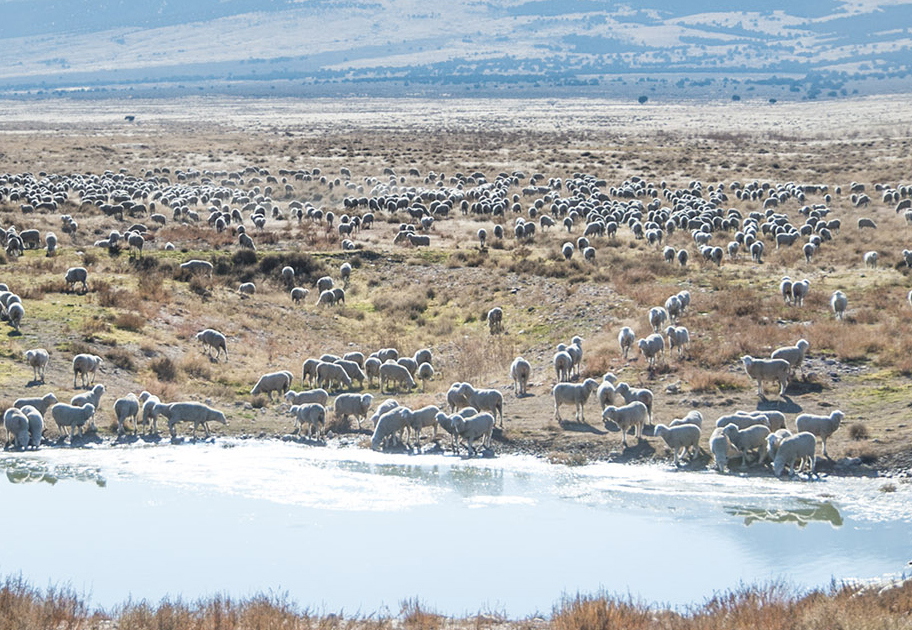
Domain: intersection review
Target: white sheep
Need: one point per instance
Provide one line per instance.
(409, 364)
(793, 354)
(16, 424)
(345, 270)
(372, 369)
(839, 302)
(455, 398)
(563, 365)
(15, 312)
(389, 425)
(673, 308)
(773, 440)
(41, 404)
(309, 370)
(85, 364)
(356, 405)
(195, 412)
(657, 318)
(247, 288)
(357, 357)
(629, 416)
(870, 259)
(423, 355)
(147, 414)
(319, 396)
(767, 370)
(631, 394)
(425, 373)
(419, 419)
(785, 287)
(92, 396)
(520, 370)
(386, 405)
(678, 337)
(489, 400)
(126, 407)
(210, 339)
(70, 416)
(311, 414)
(299, 294)
(495, 320)
(799, 448)
(693, 417)
(742, 420)
(479, 426)
(682, 437)
(626, 339)
(605, 394)
(448, 424)
(329, 374)
(354, 371)
(651, 347)
(196, 266)
(37, 358)
(821, 426)
(721, 448)
(74, 275)
(749, 439)
(273, 382)
(799, 291)
(573, 393)
(392, 372)
(35, 425)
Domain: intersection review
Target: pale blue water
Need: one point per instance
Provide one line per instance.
(353, 530)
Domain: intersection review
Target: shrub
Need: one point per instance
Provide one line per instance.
(133, 322)
(165, 369)
(858, 431)
(121, 358)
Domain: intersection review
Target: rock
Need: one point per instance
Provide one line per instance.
(846, 462)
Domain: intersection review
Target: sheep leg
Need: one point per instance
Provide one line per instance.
(824, 450)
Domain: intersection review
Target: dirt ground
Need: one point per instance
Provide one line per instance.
(141, 315)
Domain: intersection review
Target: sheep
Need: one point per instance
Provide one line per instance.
(673, 308)
(357, 357)
(356, 405)
(288, 275)
(345, 270)
(489, 400)
(799, 292)
(197, 413)
(272, 382)
(147, 413)
(389, 424)
(785, 287)
(657, 318)
(455, 397)
(425, 373)
(773, 440)
(311, 414)
(573, 393)
(419, 419)
(793, 354)
(605, 394)
(482, 237)
(721, 448)
(35, 425)
(70, 416)
(50, 240)
(651, 347)
(563, 365)
(196, 266)
(682, 257)
(244, 240)
(37, 358)
(395, 373)
(626, 339)
(309, 370)
(423, 355)
(338, 295)
(372, 369)
(801, 448)
(41, 404)
(870, 259)
(210, 339)
(693, 417)
(319, 396)
(136, 241)
(748, 439)
(470, 429)
(247, 288)
(354, 371)
(17, 428)
(15, 312)
(126, 407)
(839, 302)
(386, 405)
(866, 223)
(332, 373)
(821, 426)
(93, 396)
(767, 370)
(684, 436)
(520, 370)
(299, 294)
(631, 394)
(630, 415)
(326, 298)
(448, 424)
(387, 354)
(907, 256)
(74, 275)
(743, 420)
(678, 337)
(409, 364)
(567, 250)
(495, 320)
(575, 350)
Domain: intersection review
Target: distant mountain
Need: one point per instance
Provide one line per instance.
(803, 49)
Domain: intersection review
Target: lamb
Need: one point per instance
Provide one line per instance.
(35, 425)
(682, 437)
(197, 413)
(455, 397)
(495, 320)
(573, 393)
(839, 302)
(793, 354)
(390, 424)
(678, 337)
(651, 347)
(273, 382)
(470, 429)
(870, 259)
(197, 266)
(74, 275)
(626, 338)
(657, 318)
(751, 438)
(70, 416)
(85, 364)
(425, 373)
(801, 448)
(520, 370)
(721, 448)
(800, 291)
(767, 370)
(631, 394)
(93, 396)
(693, 417)
(421, 418)
(393, 372)
(319, 396)
(484, 400)
(38, 359)
(210, 339)
(311, 414)
(126, 407)
(41, 404)
(15, 312)
(332, 373)
(356, 405)
(354, 371)
(17, 428)
(631, 415)
(821, 426)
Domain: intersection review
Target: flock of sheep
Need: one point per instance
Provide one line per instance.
(242, 203)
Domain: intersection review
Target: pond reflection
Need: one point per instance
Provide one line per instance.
(33, 471)
(814, 511)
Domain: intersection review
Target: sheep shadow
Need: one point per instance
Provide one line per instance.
(636, 450)
(14, 333)
(804, 387)
(34, 383)
(579, 427)
(784, 404)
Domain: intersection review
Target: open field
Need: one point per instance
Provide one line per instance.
(141, 315)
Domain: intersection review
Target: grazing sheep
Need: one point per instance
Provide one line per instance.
(678, 337)
(767, 370)
(196, 266)
(126, 407)
(354, 371)
(866, 223)
(800, 291)
(425, 372)
(682, 257)
(482, 237)
(299, 294)
(626, 339)
(651, 347)
(631, 394)
(392, 372)
(809, 250)
(70, 416)
(495, 320)
(423, 356)
(74, 275)
(15, 313)
(489, 400)
(329, 374)
(470, 429)
(136, 242)
(345, 270)
(357, 357)
(563, 365)
(311, 414)
(210, 339)
(633, 415)
(721, 448)
(409, 364)
(907, 256)
(870, 259)
(605, 394)
(244, 240)
(681, 437)
(520, 370)
(421, 418)
(793, 354)
(773, 440)
(692, 417)
(356, 405)
(37, 359)
(839, 302)
(821, 426)
(288, 275)
(448, 424)
(41, 404)
(148, 415)
(327, 298)
(197, 413)
(573, 393)
(338, 295)
(93, 396)
(35, 425)
(16, 424)
(799, 448)
(748, 439)
(247, 288)
(372, 369)
(390, 424)
(309, 370)
(273, 382)
(386, 405)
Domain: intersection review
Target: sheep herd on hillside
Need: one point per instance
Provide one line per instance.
(248, 203)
